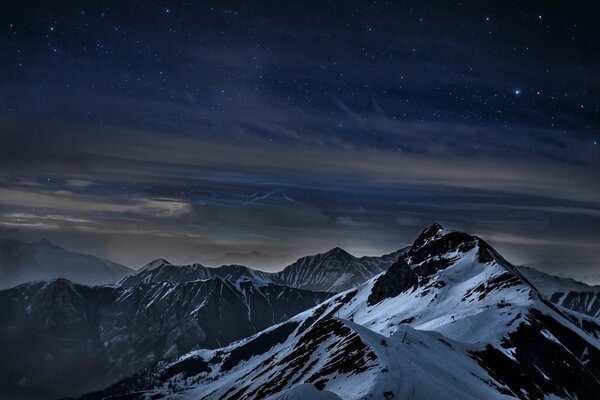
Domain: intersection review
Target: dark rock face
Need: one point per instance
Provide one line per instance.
(398, 278)
(259, 345)
(429, 252)
(565, 292)
(48, 336)
(61, 339)
(429, 244)
(583, 302)
(535, 370)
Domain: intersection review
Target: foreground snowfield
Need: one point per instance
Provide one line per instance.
(451, 319)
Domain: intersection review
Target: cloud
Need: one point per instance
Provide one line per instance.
(76, 203)
(79, 183)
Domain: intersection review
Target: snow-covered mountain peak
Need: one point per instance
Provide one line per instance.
(444, 284)
(436, 249)
(449, 319)
(428, 234)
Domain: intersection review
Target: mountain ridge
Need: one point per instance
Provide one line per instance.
(459, 298)
(332, 271)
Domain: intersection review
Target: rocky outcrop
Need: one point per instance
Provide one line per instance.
(398, 278)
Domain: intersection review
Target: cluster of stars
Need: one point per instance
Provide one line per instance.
(413, 77)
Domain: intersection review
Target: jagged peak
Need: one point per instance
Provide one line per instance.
(338, 251)
(59, 283)
(437, 248)
(232, 266)
(428, 234)
(159, 262)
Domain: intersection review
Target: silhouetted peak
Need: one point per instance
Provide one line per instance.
(338, 252)
(159, 262)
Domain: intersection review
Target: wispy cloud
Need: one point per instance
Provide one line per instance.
(74, 203)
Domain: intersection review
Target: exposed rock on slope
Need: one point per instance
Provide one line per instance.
(566, 292)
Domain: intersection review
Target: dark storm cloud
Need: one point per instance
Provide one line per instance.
(139, 130)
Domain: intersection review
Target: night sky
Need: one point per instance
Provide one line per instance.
(136, 130)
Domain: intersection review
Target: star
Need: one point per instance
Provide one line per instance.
(517, 92)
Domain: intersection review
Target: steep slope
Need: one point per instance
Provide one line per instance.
(333, 358)
(22, 262)
(335, 270)
(483, 332)
(60, 339)
(566, 292)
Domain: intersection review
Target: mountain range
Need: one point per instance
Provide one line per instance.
(58, 338)
(449, 319)
(447, 316)
(333, 271)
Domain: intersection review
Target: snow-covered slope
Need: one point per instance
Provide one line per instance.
(306, 391)
(59, 338)
(22, 262)
(566, 292)
(451, 319)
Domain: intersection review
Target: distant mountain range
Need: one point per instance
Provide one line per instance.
(450, 319)
(447, 317)
(333, 271)
(583, 272)
(22, 262)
